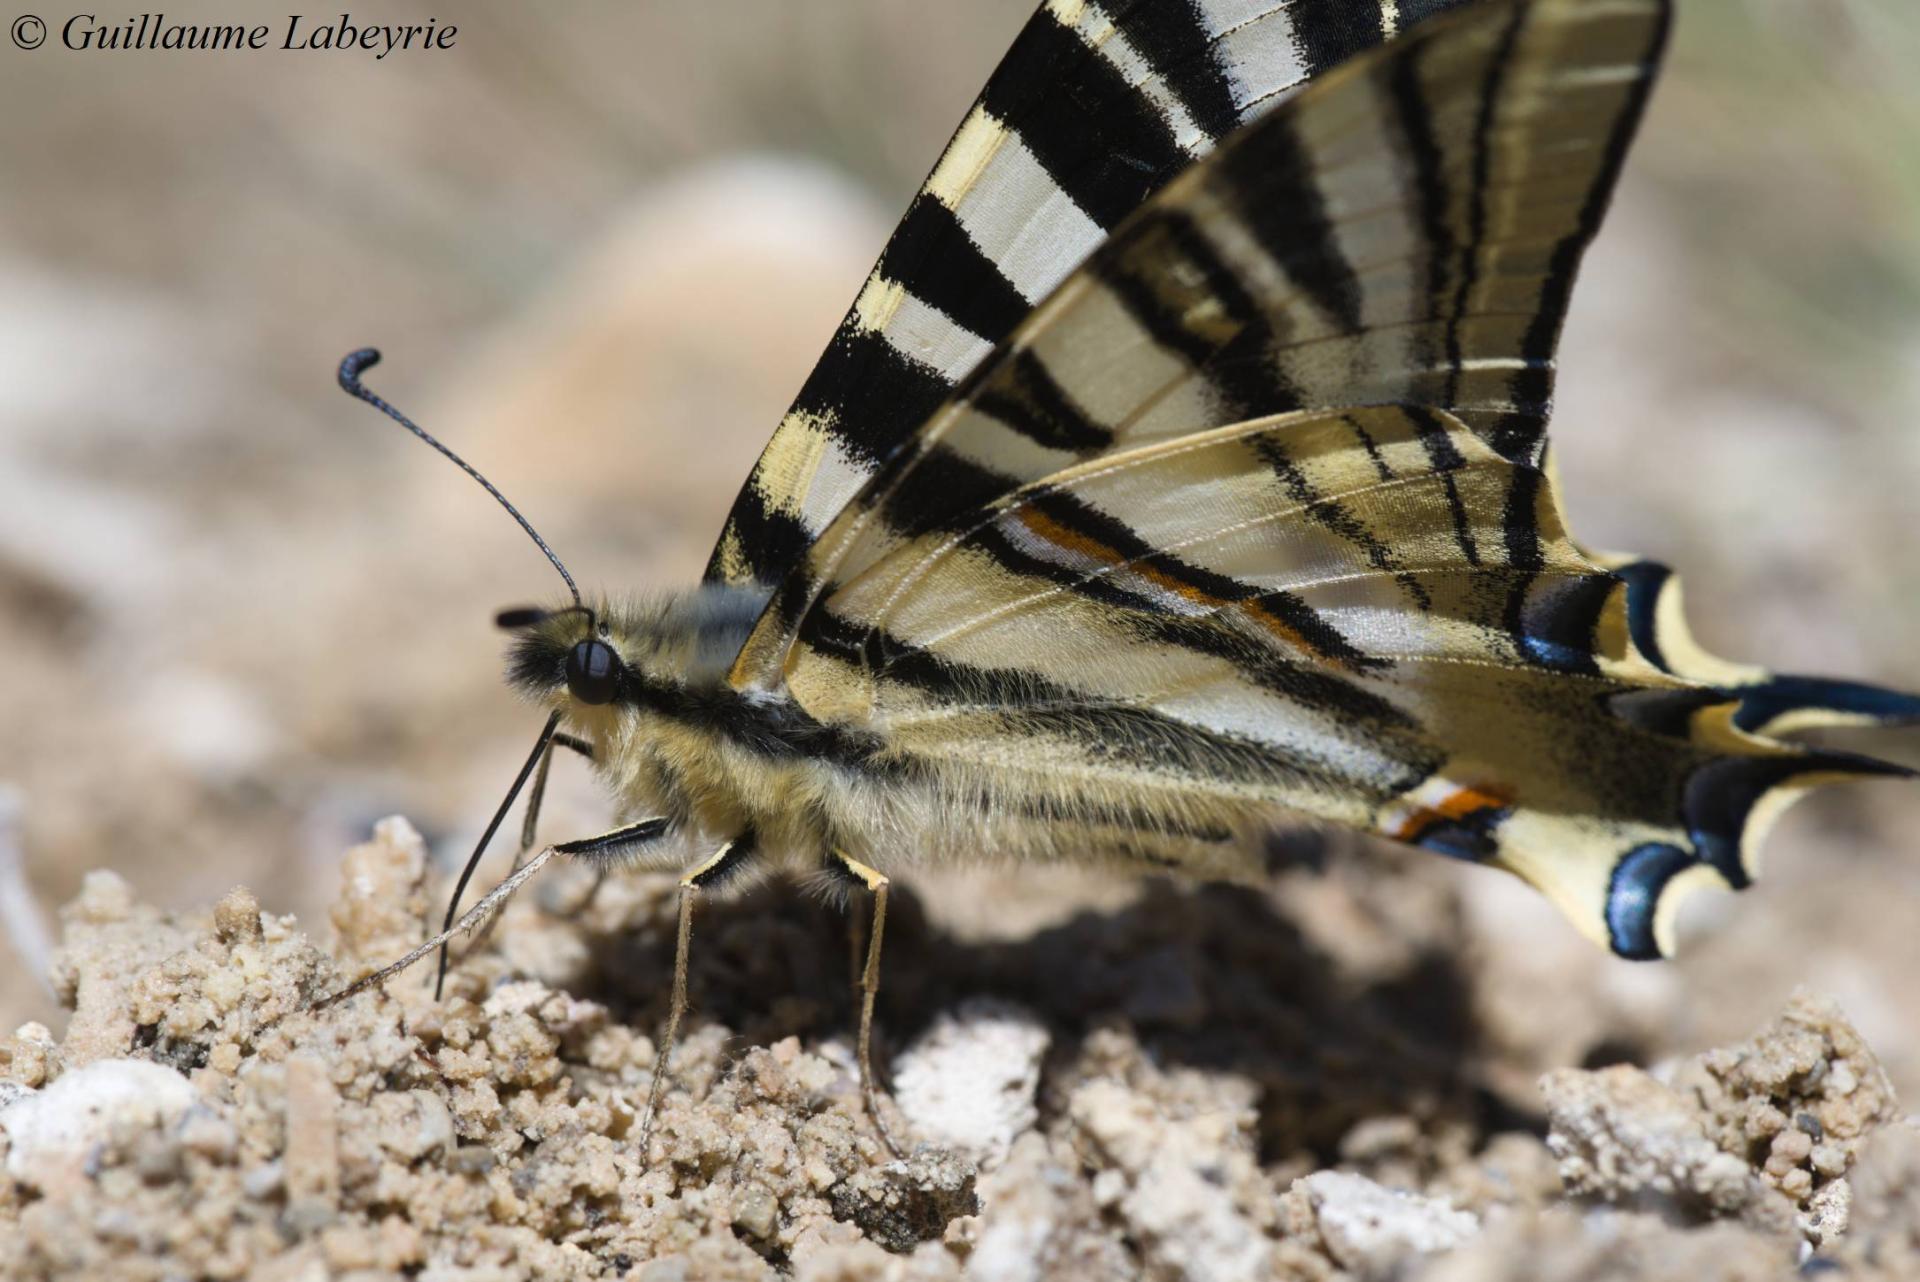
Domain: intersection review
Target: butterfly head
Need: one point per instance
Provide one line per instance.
(580, 657)
(588, 665)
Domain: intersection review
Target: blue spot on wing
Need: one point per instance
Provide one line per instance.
(1549, 653)
(1559, 620)
(1471, 837)
(1633, 895)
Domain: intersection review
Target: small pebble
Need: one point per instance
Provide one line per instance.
(237, 916)
(473, 1159)
(755, 1212)
(263, 1181)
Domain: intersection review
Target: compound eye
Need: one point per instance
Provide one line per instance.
(593, 671)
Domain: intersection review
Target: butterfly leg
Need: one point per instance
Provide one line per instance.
(602, 851)
(712, 869)
(529, 826)
(608, 845)
(877, 884)
(532, 820)
(538, 793)
(856, 952)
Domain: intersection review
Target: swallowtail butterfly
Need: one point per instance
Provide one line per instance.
(1181, 471)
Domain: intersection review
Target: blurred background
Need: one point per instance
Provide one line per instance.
(241, 617)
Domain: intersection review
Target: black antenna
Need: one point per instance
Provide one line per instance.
(355, 364)
(365, 359)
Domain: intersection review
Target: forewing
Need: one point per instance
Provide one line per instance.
(1368, 616)
(1404, 229)
(1095, 107)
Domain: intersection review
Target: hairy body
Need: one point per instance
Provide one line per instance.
(679, 742)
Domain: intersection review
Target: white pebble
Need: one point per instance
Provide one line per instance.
(53, 1131)
(969, 1083)
(1370, 1229)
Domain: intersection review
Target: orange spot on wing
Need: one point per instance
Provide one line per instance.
(1455, 806)
(1064, 536)
(1069, 539)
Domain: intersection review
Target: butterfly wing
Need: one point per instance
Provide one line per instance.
(1123, 577)
(1771, 703)
(1095, 107)
(1404, 229)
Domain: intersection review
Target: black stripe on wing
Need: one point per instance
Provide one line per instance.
(1173, 39)
(1333, 516)
(1125, 735)
(1446, 459)
(866, 387)
(1480, 193)
(1521, 434)
(1328, 32)
(932, 256)
(1106, 145)
(1174, 283)
(1781, 697)
(1274, 189)
(1032, 403)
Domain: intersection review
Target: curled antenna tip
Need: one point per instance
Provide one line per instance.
(356, 363)
(520, 617)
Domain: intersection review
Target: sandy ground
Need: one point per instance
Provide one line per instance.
(1180, 1089)
(241, 620)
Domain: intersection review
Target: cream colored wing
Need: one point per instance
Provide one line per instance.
(1143, 575)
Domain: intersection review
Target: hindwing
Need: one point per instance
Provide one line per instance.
(1771, 703)
(1366, 616)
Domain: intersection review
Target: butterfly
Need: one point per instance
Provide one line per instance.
(1180, 473)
